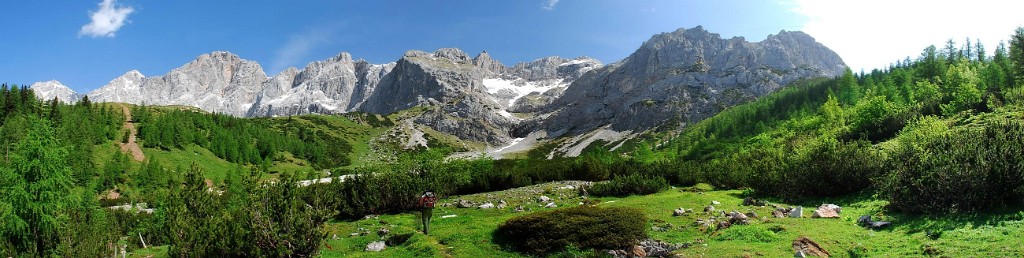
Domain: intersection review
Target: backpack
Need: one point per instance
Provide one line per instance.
(428, 201)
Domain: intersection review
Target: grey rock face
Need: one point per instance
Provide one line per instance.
(448, 81)
(685, 75)
(217, 82)
(49, 90)
(335, 85)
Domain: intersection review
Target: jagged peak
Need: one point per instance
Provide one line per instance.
(415, 53)
(290, 71)
(48, 83)
(134, 74)
(453, 54)
(220, 55)
(482, 55)
(798, 35)
(342, 57)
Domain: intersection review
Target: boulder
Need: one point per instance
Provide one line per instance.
(550, 205)
(519, 209)
(638, 251)
(657, 248)
(464, 204)
(750, 201)
(383, 231)
(807, 247)
(797, 212)
(827, 211)
(709, 208)
(778, 214)
(486, 206)
(543, 199)
(865, 221)
(679, 212)
(738, 218)
(376, 246)
(724, 224)
(715, 203)
(752, 215)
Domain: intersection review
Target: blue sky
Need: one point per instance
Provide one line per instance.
(60, 40)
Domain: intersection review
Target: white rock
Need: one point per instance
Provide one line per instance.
(543, 199)
(376, 246)
(797, 212)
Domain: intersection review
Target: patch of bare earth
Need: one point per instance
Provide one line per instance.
(131, 147)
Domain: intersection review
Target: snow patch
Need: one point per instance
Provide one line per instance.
(494, 86)
(574, 62)
(514, 142)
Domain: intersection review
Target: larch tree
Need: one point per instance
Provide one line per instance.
(37, 185)
(1017, 55)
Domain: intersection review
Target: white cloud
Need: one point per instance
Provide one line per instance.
(550, 5)
(107, 20)
(298, 47)
(874, 33)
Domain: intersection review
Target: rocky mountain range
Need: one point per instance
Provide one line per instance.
(683, 76)
(49, 90)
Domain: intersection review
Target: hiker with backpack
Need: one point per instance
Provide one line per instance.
(427, 205)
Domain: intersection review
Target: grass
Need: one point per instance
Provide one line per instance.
(214, 168)
(469, 234)
(357, 134)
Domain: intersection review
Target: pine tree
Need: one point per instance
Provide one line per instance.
(950, 52)
(849, 91)
(38, 186)
(1017, 55)
(979, 49)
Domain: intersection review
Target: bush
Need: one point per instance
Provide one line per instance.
(638, 184)
(248, 220)
(824, 168)
(580, 227)
(961, 170)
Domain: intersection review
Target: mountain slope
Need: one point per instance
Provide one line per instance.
(684, 76)
(216, 82)
(49, 90)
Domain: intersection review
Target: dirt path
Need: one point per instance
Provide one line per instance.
(131, 147)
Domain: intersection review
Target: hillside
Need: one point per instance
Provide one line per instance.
(934, 145)
(673, 79)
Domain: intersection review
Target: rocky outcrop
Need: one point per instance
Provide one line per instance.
(49, 90)
(682, 76)
(217, 82)
(686, 76)
(336, 85)
(467, 97)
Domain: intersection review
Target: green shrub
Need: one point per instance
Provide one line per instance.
(824, 168)
(638, 184)
(961, 170)
(580, 227)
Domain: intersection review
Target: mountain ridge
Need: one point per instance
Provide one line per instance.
(684, 75)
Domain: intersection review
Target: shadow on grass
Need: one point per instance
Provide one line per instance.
(931, 224)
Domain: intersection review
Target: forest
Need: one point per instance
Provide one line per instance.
(939, 133)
